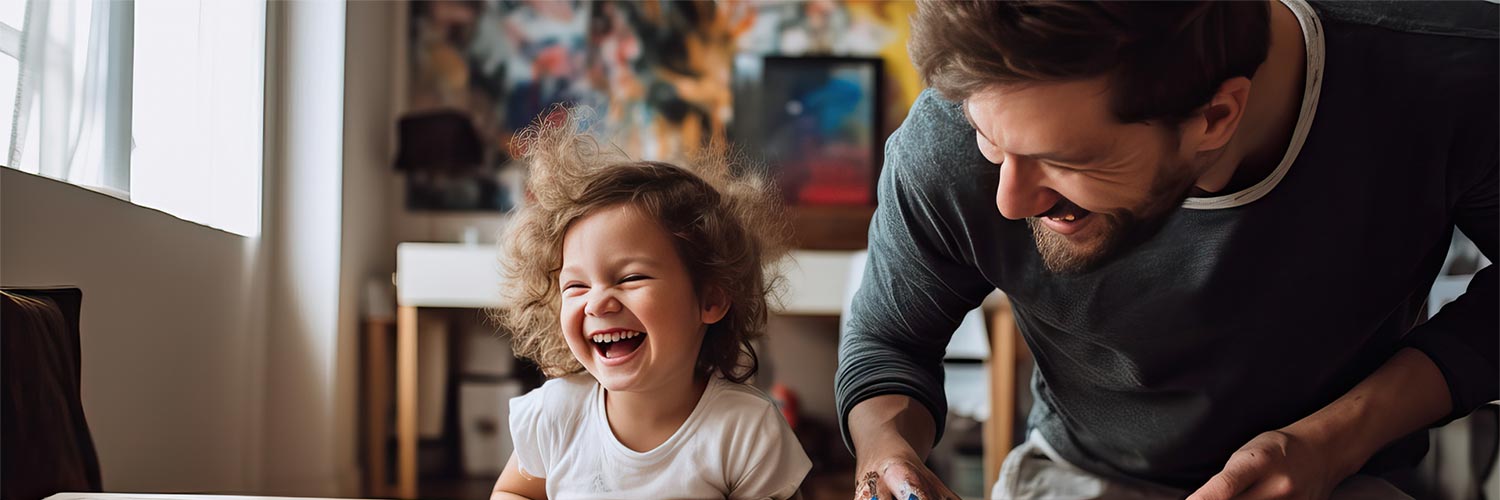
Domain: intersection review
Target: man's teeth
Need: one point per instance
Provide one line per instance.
(605, 338)
(1069, 218)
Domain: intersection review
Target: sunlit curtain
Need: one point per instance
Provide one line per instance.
(62, 110)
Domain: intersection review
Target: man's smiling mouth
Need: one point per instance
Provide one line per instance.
(1065, 217)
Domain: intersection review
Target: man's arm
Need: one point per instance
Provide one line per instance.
(1404, 395)
(1310, 457)
(1446, 371)
(917, 286)
(892, 425)
(1463, 339)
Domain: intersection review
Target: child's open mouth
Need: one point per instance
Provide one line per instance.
(617, 343)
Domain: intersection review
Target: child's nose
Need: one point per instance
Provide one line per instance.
(604, 303)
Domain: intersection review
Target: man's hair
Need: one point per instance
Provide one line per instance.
(1163, 59)
(727, 225)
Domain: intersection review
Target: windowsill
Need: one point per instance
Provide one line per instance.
(104, 190)
(120, 196)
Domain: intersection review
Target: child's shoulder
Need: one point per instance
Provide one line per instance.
(741, 400)
(558, 397)
(580, 383)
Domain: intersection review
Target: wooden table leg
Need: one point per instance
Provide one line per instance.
(377, 403)
(406, 402)
(997, 430)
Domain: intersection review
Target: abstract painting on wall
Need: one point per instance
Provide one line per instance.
(655, 73)
(822, 119)
(660, 75)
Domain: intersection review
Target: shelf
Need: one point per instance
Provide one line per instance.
(831, 227)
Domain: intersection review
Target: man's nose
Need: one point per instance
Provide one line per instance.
(1022, 192)
(601, 303)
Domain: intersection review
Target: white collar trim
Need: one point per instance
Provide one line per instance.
(1312, 34)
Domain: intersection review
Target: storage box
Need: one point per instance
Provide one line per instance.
(484, 425)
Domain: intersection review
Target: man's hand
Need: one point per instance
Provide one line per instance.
(891, 434)
(1277, 464)
(899, 478)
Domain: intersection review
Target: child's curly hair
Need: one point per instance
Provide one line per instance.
(728, 227)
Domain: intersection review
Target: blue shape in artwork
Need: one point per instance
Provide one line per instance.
(833, 103)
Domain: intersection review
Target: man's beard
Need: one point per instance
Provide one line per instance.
(1120, 230)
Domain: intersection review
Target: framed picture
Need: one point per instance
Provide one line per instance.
(821, 126)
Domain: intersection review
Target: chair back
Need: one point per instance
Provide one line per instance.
(46, 440)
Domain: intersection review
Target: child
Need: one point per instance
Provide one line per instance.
(637, 287)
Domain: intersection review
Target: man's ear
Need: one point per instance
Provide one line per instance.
(1216, 122)
(715, 305)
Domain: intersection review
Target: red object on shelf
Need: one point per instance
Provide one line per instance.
(786, 400)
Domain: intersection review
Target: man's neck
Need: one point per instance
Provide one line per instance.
(644, 420)
(1271, 111)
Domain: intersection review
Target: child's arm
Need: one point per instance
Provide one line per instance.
(516, 485)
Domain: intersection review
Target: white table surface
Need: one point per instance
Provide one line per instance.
(156, 496)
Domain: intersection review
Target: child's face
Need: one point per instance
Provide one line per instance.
(629, 312)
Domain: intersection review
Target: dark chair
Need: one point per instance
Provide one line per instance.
(46, 443)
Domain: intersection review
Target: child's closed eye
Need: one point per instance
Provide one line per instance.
(634, 277)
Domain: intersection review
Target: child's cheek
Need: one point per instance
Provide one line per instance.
(570, 317)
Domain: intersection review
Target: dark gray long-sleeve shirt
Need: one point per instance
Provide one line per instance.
(1245, 312)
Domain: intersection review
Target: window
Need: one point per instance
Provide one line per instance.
(12, 15)
(159, 103)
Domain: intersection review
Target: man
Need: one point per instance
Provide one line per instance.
(1217, 224)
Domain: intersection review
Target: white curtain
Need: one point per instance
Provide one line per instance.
(60, 122)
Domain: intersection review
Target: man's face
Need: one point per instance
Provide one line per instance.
(1087, 184)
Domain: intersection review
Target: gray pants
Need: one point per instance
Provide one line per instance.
(1035, 471)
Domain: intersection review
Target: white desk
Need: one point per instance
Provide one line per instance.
(458, 275)
(468, 276)
(154, 496)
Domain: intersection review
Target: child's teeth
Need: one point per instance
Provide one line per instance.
(605, 338)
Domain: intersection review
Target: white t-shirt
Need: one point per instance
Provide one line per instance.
(734, 445)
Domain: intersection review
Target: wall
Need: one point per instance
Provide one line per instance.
(308, 441)
(365, 251)
(171, 322)
(373, 216)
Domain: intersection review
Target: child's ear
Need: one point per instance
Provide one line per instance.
(715, 306)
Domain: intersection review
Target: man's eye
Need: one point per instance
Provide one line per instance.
(1064, 167)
